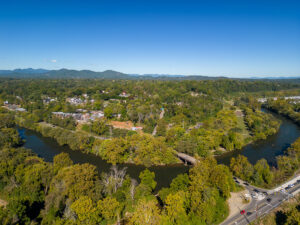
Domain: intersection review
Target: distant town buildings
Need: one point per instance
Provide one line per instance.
(295, 99)
(79, 101)
(81, 115)
(75, 101)
(13, 107)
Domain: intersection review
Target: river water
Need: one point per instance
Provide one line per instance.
(273, 146)
(47, 148)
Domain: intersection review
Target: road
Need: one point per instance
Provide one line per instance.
(262, 207)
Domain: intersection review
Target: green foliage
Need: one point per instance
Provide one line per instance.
(260, 124)
(9, 137)
(146, 212)
(99, 127)
(147, 178)
(241, 167)
(61, 160)
(200, 196)
(6, 120)
(68, 123)
(261, 175)
(285, 108)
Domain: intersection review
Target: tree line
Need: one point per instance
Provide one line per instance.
(61, 192)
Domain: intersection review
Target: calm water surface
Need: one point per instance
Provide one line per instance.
(273, 146)
(47, 148)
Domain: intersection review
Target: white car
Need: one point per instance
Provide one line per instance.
(291, 185)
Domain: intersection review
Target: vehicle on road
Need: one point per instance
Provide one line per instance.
(255, 190)
(243, 212)
(291, 185)
(249, 213)
(246, 184)
(269, 199)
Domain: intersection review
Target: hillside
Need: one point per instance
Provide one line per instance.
(111, 74)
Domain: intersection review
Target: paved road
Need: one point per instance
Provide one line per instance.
(259, 208)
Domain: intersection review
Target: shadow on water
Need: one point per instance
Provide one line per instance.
(273, 146)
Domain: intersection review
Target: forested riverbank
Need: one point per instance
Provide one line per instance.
(115, 121)
(66, 193)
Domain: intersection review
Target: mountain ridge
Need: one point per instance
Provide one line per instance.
(111, 74)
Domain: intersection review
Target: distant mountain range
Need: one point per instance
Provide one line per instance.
(26, 71)
(110, 74)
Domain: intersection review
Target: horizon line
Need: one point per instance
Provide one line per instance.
(163, 74)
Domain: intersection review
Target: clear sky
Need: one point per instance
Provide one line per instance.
(234, 38)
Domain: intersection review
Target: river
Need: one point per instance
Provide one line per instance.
(47, 148)
(273, 146)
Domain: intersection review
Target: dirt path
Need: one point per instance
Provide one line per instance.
(3, 203)
(161, 115)
(235, 202)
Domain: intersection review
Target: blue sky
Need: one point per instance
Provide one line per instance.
(228, 38)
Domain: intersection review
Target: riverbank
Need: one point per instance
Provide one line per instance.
(269, 148)
(89, 143)
(47, 148)
(135, 149)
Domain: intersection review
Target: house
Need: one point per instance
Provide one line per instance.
(96, 115)
(62, 115)
(48, 100)
(124, 95)
(136, 128)
(13, 107)
(75, 101)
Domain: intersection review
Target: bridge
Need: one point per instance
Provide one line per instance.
(186, 158)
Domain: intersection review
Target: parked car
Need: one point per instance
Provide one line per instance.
(291, 185)
(243, 212)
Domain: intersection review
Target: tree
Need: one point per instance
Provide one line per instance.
(147, 178)
(115, 150)
(146, 212)
(161, 128)
(241, 167)
(262, 173)
(99, 127)
(70, 184)
(62, 160)
(110, 209)
(108, 112)
(113, 180)
(85, 211)
(176, 208)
